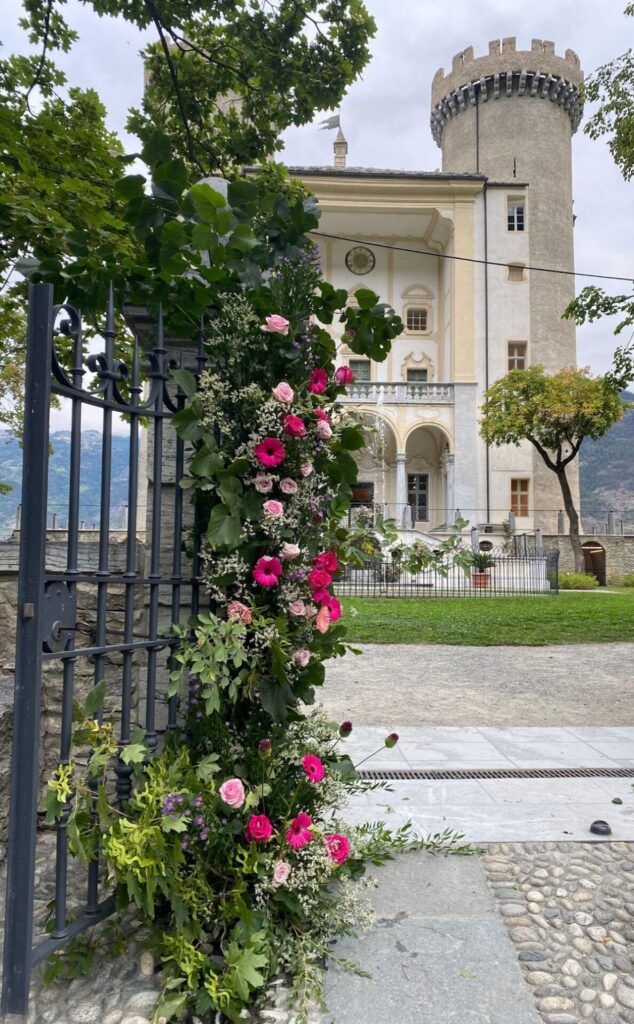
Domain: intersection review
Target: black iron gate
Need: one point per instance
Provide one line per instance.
(48, 627)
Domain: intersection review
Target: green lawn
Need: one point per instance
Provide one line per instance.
(569, 618)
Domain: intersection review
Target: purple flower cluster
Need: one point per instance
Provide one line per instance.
(172, 803)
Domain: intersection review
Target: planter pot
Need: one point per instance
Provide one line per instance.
(480, 580)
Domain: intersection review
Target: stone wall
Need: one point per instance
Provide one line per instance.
(619, 552)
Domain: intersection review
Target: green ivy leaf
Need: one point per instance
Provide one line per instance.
(134, 753)
(352, 438)
(186, 382)
(276, 698)
(95, 699)
(224, 528)
(206, 201)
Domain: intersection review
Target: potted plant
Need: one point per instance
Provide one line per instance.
(481, 562)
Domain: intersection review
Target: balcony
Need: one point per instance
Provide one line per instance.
(399, 392)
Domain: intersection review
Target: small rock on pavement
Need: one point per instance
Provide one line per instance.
(625, 996)
(146, 965)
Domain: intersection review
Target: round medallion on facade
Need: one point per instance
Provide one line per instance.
(360, 260)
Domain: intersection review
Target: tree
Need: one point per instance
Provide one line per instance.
(225, 78)
(555, 413)
(612, 87)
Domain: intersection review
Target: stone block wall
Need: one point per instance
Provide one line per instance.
(619, 552)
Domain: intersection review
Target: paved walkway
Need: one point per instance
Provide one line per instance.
(501, 810)
(438, 954)
(585, 684)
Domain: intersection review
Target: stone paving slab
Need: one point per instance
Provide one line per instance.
(438, 954)
(433, 684)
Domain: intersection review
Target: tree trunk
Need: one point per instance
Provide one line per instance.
(573, 519)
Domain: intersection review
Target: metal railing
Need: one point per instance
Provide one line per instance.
(404, 392)
(140, 584)
(516, 570)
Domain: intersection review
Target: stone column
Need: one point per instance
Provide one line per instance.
(449, 464)
(401, 481)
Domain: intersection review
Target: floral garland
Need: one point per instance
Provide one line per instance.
(233, 846)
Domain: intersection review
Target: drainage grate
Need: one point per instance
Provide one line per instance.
(497, 773)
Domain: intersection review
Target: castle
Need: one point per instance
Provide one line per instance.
(457, 254)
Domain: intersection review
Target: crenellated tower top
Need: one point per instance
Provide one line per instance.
(507, 71)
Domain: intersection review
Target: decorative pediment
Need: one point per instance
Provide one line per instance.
(421, 362)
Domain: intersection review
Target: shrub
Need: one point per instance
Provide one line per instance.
(577, 581)
(626, 580)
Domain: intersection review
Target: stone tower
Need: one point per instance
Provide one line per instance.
(510, 116)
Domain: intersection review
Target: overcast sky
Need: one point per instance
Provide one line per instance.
(385, 115)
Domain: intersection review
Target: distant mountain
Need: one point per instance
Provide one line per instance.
(90, 478)
(606, 473)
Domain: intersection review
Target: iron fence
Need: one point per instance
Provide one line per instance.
(516, 570)
(125, 635)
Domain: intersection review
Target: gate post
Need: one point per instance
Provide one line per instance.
(28, 668)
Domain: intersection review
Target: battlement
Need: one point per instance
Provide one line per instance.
(505, 70)
(541, 57)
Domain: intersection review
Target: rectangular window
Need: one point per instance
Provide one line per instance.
(516, 272)
(416, 376)
(517, 355)
(519, 497)
(361, 369)
(363, 493)
(416, 319)
(417, 496)
(515, 215)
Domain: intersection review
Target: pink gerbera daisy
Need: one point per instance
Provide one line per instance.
(313, 767)
(267, 571)
(299, 833)
(270, 452)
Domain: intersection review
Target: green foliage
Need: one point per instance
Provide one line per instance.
(555, 413)
(577, 581)
(481, 561)
(622, 580)
(612, 87)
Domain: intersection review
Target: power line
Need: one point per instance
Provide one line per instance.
(468, 259)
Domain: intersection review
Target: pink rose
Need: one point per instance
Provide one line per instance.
(323, 619)
(294, 426)
(306, 468)
(288, 486)
(259, 828)
(318, 382)
(301, 658)
(290, 551)
(263, 483)
(232, 793)
(313, 767)
(327, 560)
(273, 509)
(323, 430)
(318, 579)
(344, 375)
(275, 324)
(297, 608)
(283, 392)
(338, 848)
(321, 414)
(281, 872)
(238, 612)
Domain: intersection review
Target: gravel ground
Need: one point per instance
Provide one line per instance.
(497, 686)
(569, 911)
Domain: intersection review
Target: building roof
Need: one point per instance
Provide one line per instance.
(378, 172)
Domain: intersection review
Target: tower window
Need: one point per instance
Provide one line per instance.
(361, 369)
(519, 497)
(516, 272)
(515, 215)
(517, 355)
(416, 319)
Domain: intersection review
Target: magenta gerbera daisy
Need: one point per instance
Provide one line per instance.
(270, 452)
(267, 571)
(313, 767)
(299, 833)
